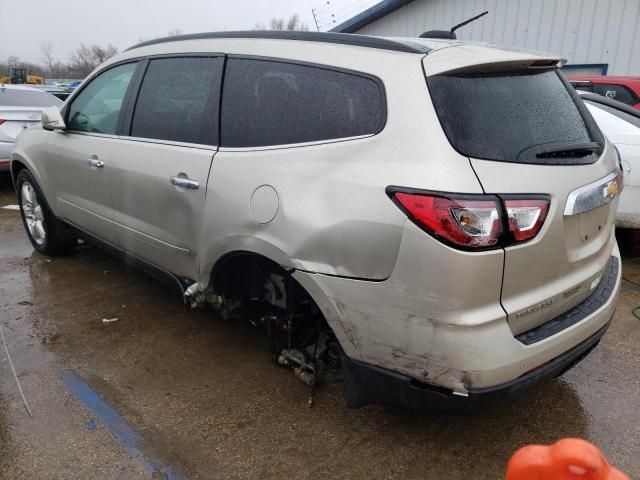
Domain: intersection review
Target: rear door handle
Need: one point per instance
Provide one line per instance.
(94, 162)
(184, 182)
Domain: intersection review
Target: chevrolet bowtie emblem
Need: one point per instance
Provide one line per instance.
(611, 189)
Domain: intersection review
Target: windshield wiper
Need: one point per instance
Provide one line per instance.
(575, 150)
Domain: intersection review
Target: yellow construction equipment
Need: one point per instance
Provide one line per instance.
(18, 76)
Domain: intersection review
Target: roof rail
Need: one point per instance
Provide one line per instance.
(336, 38)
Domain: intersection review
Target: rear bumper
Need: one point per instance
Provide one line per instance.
(423, 339)
(367, 384)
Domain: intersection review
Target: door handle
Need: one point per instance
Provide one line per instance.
(184, 182)
(94, 162)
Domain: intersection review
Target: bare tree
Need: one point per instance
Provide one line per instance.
(293, 23)
(47, 55)
(86, 58)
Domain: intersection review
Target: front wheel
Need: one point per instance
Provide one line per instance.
(44, 231)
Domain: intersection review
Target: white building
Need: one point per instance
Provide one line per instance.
(595, 36)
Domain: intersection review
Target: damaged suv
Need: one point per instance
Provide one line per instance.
(432, 218)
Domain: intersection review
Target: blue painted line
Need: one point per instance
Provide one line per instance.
(118, 426)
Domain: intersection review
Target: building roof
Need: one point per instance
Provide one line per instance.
(398, 45)
(370, 15)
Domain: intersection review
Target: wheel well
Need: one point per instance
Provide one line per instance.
(244, 273)
(249, 285)
(16, 167)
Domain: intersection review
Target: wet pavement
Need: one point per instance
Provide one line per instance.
(206, 398)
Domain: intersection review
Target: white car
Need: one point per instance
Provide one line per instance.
(621, 124)
(20, 107)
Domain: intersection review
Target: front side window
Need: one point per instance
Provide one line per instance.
(275, 103)
(178, 100)
(97, 107)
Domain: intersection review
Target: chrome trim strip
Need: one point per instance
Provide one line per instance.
(294, 145)
(84, 210)
(590, 196)
(143, 140)
(169, 142)
(88, 134)
(130, 231)
(143, 237)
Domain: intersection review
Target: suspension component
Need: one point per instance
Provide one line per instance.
(302, 369)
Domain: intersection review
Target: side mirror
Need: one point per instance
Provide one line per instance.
(52, 119)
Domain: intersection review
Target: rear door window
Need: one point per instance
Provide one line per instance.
(513, 116)
(97, 107)
(275, 103)
(616, 92)
(178, 100)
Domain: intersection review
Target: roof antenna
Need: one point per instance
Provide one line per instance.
(315, 19)
(450, 34)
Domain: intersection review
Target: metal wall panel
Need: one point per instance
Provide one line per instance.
(583, 31)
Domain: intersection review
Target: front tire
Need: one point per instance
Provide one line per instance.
(45, 232)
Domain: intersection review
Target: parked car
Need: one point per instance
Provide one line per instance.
(622, 89)
(20, 107)
(434, 218)
(621, 124)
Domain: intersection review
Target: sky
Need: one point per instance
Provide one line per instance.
(26, 24)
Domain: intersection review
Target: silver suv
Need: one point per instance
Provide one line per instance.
(432, 218)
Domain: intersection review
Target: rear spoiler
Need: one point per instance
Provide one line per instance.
(480, 58)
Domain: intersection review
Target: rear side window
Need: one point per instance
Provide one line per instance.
(275, 103)
(513, 116)
(27, 98)
(178, 100)
(616, 92)
(97, 107)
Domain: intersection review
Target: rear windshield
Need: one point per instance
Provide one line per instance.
(514, 116)
(27, 98)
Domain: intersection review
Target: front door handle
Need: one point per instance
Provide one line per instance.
(184, 182)
(94, 162)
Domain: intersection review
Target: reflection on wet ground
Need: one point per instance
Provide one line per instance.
(205, 395)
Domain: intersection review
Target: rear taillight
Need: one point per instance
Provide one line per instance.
(2, 121)
(464, 222)
(525, 217)
(474, 222)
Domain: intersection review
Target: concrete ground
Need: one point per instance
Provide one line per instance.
(207, 399)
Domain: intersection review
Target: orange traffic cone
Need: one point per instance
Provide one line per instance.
(568, 459)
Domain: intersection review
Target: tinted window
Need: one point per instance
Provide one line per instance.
(512, 116)
(179, 100)
(274, 103)
(97, 107)
(615, 92)
(27, 98)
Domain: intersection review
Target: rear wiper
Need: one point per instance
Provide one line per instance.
(575, 150)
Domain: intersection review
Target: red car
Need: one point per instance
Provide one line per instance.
(622, 89)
